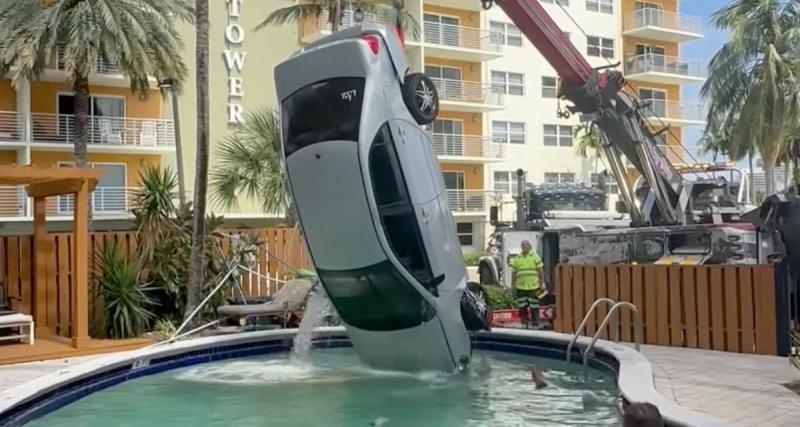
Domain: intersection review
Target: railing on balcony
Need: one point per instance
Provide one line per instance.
(471, 201)
(674, 110)
(662, 19)
(464, 91)
(458, 36)
(655, 63)
(11, 126)
(104, 201)
(466, 146)
(101, 67)
(112, 131)
(323, 25)
(13, 202)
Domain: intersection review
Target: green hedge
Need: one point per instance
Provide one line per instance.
(499, 297)
(471, 259)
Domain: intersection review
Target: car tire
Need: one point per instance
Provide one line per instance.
(421, 98)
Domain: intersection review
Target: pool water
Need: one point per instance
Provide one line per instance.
(335, 389)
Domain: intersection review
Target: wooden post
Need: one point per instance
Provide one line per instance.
(80, 268)
(41, 250)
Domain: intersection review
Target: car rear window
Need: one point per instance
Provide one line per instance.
(328, 110)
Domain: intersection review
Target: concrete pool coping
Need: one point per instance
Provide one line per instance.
(635, 373)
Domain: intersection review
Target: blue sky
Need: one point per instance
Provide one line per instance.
(700, 50)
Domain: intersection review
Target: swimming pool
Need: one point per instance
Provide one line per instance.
(336, 390)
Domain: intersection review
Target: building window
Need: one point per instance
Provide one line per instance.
(611, 185)
(657, 100)
(508, 132)
(505, 182)
(559, 177)
(599, 46)
(557, 136)
(442, 30)
(508, 83)
(505, 34)
(561, 2)
(464, 231)
(549, 87)
(602, 6)
(110, 194)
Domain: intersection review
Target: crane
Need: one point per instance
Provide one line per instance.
(598, 95)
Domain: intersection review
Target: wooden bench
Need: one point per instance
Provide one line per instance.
(22, 322)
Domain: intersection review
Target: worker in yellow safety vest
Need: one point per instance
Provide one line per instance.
(526, 281)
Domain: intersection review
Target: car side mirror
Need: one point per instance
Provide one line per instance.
(493, 216)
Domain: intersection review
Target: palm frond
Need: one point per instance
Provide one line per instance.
(297, 13)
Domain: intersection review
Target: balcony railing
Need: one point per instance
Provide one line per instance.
(460, 37)
(110, 131)
(316, 26)
(662, 19)
(101, 67)
(654, 63)
(464, 91)
(673, 110)
(466, 146)
(11, 126)
(471, 201)
(104, 201)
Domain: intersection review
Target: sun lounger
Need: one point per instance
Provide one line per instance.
(10, 319)
(290, 299)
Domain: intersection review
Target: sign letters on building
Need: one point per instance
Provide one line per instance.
(234, 62)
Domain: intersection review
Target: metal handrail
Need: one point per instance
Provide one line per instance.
(637, 333)
(583, 323)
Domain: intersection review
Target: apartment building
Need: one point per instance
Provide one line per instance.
(644, 36)
(37, 127)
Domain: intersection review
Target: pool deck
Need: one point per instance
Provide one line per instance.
(737, 389)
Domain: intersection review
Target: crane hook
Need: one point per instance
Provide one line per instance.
(487, 4)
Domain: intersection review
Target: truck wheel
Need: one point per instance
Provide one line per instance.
(485, 274)
(421, 98)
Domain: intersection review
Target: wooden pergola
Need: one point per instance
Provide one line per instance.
(41, 183)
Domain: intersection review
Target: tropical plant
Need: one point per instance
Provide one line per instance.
(126, 301)
(752, 86)
(138, 37)
(498, 297)
(164, 328)
(334, 11)
(196, 278)
(587, 141)
(471, 259)
(248, 163)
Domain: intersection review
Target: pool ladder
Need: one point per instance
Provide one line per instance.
(615, 306)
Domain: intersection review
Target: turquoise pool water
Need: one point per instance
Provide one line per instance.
(334, 390)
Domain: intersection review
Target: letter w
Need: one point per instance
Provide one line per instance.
(235, 59)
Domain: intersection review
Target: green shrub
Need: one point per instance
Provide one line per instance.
(499, 297)
(125, 300)
(471, 259)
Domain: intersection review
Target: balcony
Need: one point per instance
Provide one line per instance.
(676, 113)
(109, 134)
(470, 97)
(654, 24)
(654, 68)
(104, 72)
(467, 148)
(106, 202)
(12, 126)
(313, 30)
(471, 202)
(459, 43)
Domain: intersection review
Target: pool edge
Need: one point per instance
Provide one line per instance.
(634, 371)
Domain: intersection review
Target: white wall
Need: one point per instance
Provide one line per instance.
(535, 111)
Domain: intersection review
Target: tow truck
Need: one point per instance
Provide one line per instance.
(672, 219)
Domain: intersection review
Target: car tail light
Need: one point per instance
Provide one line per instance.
(372, 42)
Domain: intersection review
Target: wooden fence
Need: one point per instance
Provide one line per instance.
(729, 308)
(17, 268)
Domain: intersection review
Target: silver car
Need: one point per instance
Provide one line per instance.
(371, 199)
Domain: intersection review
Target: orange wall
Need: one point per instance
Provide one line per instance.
(473, 125)
(8, 157)
(629, 45)
(8, 96)
(473, 174)
(673, 91)
(470, 71)
(133, 162)
(466, 18)
(44, 99)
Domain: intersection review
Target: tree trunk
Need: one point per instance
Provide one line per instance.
(80, 87)
(769, 177)
(196, 259)
(336, 16)
(786, 174)
(752, 178)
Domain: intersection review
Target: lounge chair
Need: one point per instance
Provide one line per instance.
(10, 319)
(287, 301)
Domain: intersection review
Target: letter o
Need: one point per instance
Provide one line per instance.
(234, 33)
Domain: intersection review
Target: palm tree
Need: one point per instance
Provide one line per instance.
(588, 143)
(753, 79)
(314, 10)
(138, 37)
(196, 258)
(249, 164)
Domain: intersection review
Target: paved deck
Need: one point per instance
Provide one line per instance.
(53, 348)
(743, 390)
(740, 389)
